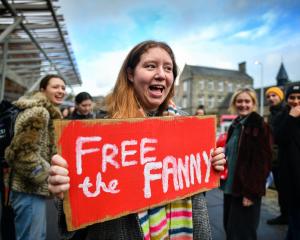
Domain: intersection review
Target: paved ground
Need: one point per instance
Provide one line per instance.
(269, 210)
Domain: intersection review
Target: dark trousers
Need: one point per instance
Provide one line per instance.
(240, 222)
(282, 199)
(294, 224)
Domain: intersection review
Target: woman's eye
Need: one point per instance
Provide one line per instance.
(150, 66)
(169, 68)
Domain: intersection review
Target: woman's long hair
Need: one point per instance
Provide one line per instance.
(122, 102)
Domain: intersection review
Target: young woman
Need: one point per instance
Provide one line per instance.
(29, 156)
(248, 152)
(83, 107)
(144, 88)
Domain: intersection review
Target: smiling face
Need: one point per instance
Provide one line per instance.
(55, 91)
(85, 107)
(152, 78)
(294, 99)
(244, 104)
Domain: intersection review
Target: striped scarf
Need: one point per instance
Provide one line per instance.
(172, 221)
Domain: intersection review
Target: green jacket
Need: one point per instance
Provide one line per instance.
(33, 144)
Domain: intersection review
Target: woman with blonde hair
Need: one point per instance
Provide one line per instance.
(144, 88)
(248, 152)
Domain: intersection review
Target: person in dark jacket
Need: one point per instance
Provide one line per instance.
(83, 110)
(83, 107)
(287, 135)
(275, 99)
(248, 152)
(144, 88)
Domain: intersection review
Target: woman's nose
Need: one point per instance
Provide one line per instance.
(62, 90)
(160, 73)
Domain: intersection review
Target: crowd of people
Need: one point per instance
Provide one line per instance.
(145, 88)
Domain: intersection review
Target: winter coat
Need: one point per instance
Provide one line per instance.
(275, 112)
(33, 144)
(287, 136)
(76, 115)
(254, 157)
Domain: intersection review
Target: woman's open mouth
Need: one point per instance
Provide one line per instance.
(157, 88)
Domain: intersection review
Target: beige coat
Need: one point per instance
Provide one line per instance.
(33, 144)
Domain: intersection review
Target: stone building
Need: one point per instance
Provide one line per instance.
(209, 86)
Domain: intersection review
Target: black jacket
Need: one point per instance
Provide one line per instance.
(275, 112)
(287, 136)
(76, 115)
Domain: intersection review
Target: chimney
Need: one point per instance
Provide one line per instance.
(242, 67)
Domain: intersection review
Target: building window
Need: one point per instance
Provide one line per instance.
(201, 100)
(229, 87)
(211, 102)
(220, 99)
(201, 84)
(221, 86)
(238, 86)
(185, 86)
(210, 86)
(184, 102)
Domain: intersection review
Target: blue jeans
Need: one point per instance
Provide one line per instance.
(30, 215)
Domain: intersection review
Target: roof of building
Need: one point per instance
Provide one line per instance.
(282, 74)
(209, 71)
(37, 42)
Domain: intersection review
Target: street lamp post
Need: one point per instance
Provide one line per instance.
(261, 111)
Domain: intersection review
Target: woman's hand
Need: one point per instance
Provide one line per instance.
(58, 180)
(295, 111)
(218, 159)
(247, 202)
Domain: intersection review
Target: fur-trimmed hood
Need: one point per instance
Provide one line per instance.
(38, 99)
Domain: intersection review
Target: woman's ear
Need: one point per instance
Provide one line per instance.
(130, 74)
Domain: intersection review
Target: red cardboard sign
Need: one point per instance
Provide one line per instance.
(117, 167)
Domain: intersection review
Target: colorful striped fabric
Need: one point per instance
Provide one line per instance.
(172, 221)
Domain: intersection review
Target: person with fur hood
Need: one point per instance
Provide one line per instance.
(29, 156)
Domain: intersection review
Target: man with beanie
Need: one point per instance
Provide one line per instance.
(275, 97)
(287, 135)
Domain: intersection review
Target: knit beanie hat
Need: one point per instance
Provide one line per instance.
(292, 89)
(277, 91)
